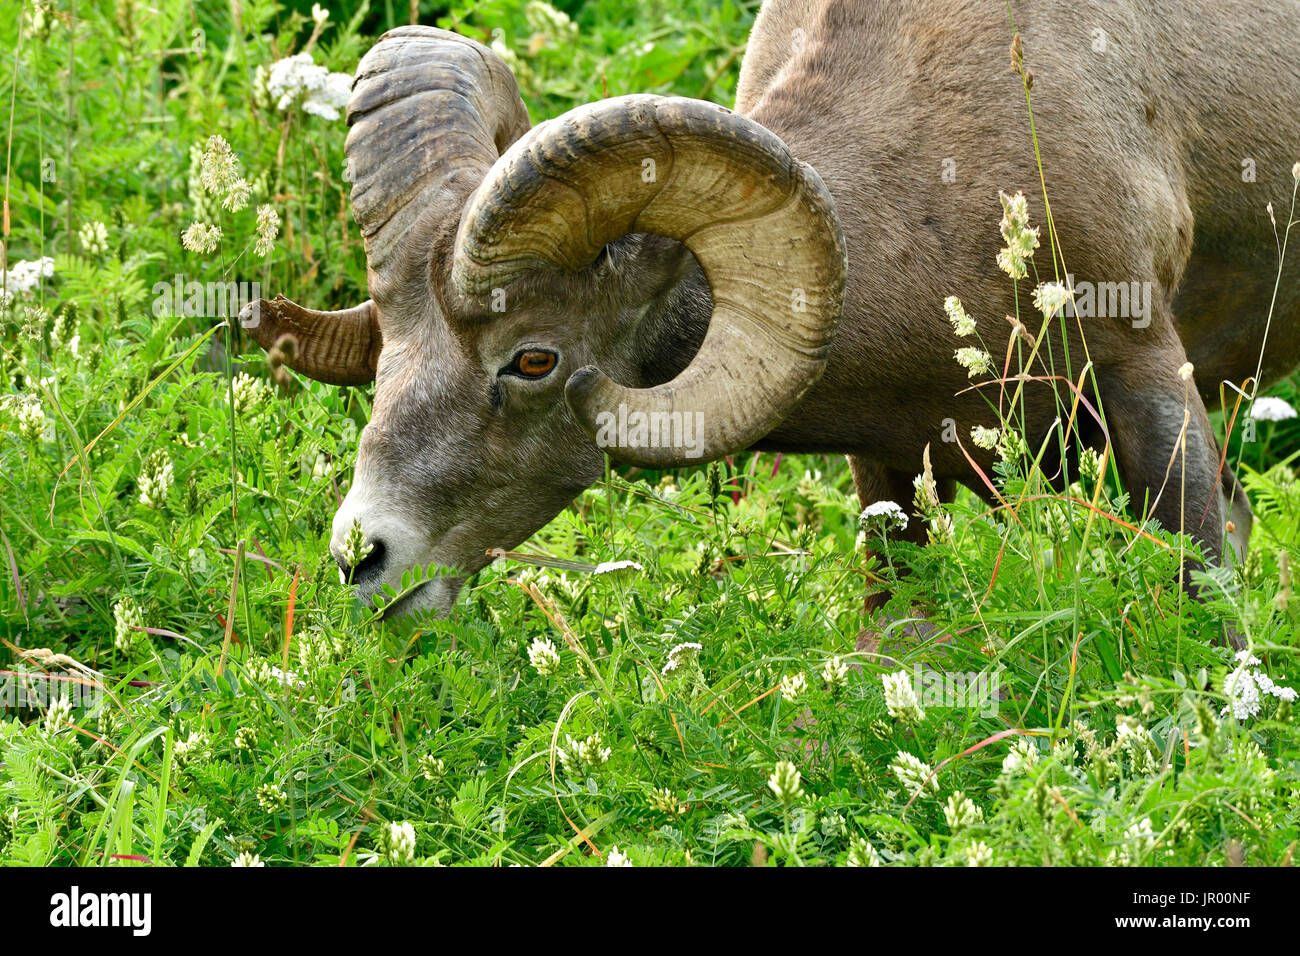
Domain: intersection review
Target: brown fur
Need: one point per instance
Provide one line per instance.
(1142, 147)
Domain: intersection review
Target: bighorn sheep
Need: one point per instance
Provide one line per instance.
(649, 254)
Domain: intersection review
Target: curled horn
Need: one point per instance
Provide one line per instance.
(338, 348)
(429, 114)
(761, 224)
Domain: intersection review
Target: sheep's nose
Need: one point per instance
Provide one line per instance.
(368, 565)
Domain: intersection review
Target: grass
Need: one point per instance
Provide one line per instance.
(165, 519)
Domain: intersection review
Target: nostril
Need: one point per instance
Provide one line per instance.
(373, 560)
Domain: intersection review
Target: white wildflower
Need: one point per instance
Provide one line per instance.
(1050, 298)
(985, 437)
(432, 768)
(195, 748)
(862, 853)
(1138, 841)
(41, 19)
(1129, 733)
(25, 275)
(682, 655)
(128, 619)
(960, 811)
(261, 88)
(1269, 409)
(58, 715)
(33, 327)
(328, 101)
(979, 854)
(297, 80)
(580, 757)
(64, 330)
(974, 361)
(900, 697)
(319, 14)
(786, 782)
(544, 656)
(355, 549)
(914, 774)
(665, 801)
(616, 858)
(1011, 445)
(31, 420)
(94, 238)
(155, 479)
(553, 24)
(250, 393)
(1243, 695)
(793, 686)
(1247, 684)
(883, 516)
(962, 324)
(1136, 741)
(1023, 755)
(835, 674)
(271, 798)
(290, 77)
(263, 672)
(201, 237)
(1090, 464)
(317, 650)
(399, 843)
(248, 859)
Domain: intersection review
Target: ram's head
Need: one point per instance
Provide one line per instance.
(518, 276)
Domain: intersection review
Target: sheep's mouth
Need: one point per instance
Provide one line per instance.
(436, 593)
(400, 605)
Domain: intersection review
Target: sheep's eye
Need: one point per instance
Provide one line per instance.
(534, 363)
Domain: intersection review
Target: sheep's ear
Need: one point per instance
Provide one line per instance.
(338, 348)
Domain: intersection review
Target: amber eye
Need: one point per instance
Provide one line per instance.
(533, 364)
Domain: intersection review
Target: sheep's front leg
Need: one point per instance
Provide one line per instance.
(874, 483)
(1168, 456)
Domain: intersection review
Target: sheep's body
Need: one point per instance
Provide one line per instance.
(1165, 127)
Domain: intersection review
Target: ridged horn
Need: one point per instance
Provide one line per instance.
(429, 114)
(761, 224)
(338, 348)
